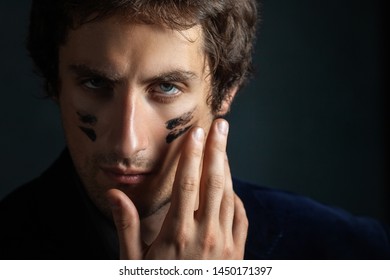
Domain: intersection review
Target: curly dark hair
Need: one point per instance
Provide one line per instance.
(229, 28)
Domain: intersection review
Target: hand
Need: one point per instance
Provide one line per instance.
(216, 230)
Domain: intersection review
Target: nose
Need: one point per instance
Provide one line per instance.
(130, 132)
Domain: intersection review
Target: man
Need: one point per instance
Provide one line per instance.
(142, 86)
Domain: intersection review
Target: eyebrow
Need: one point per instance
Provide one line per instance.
(175, 75)
(84, 70)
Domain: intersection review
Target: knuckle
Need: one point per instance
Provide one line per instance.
(181, 239)
(188, 183)
(216, 181)
(219, 146)
(229, 199)
(209, 242)
(228, 250)
(194, 153)
(122, 224)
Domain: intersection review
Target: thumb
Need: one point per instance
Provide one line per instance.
(127, 223)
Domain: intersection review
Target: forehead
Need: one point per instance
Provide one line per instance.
(115, 42)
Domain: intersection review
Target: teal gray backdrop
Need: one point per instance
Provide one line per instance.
(311, 121)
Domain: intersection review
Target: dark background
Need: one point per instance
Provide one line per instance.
(312, 121)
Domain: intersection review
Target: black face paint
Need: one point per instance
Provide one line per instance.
(87, 118)
(91, 120)
(178, 126)
(89, 132)
(176, 134)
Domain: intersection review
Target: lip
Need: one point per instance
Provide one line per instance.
(125, 176)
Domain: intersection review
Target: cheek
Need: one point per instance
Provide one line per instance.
(77, 122)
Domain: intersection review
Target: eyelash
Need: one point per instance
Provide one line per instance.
(157, 92)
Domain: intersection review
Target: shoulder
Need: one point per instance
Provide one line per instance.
(45, 218)
(42, 192)
(284, 225)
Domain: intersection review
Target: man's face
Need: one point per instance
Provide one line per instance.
(128, 95)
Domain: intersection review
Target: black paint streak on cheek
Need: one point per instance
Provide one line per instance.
(173, 135)
(178, 127)
(180, 121)
(87, 118)
(89, 132)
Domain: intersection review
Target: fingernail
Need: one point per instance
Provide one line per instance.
(223, 127)
(199, 134)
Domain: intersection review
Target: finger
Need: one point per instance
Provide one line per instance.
(186, 185)
(240, 225)
(227, 204)
(127, 223)
(213, 173)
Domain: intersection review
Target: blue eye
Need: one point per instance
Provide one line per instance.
(168, 89)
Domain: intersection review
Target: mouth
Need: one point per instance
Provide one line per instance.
(125, 177)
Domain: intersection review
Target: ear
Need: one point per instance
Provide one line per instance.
(227, 102)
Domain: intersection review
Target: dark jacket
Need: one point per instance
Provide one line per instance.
(52, 218)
